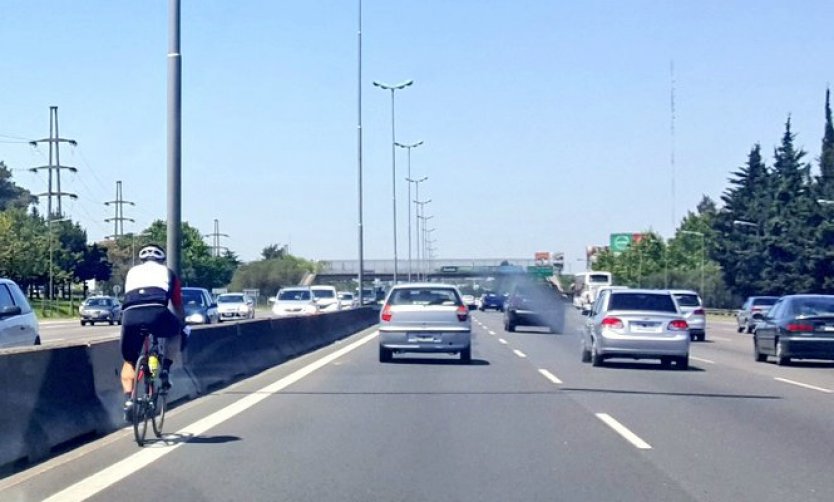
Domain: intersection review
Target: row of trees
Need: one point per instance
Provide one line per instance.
(773, 233)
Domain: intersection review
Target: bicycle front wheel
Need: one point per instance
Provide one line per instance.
(161, 400)
(140, 401)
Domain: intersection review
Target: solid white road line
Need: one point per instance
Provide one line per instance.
(623, 431)
(701, 360)
(502, 341)
(111, 475)
(805, 385)
(550, 376)
(519, 353)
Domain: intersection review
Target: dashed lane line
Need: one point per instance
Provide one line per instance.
(550, 376)
(623, 431)
(804, 385)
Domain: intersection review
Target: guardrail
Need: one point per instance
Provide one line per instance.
(724, 312)
(53, 397)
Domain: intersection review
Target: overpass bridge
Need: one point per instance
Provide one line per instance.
(334, 270)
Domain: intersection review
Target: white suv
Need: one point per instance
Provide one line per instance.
(18, 324)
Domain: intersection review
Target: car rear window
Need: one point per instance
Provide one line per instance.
(230, 299)
(98, 302)
(596, 278)
(764, 301)
(192, 297)
(425, 296)
(655, 302)
(813, 307)
(294, 295)
(324, 293)
(687, 300)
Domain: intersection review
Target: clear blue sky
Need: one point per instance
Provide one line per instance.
(546, 123)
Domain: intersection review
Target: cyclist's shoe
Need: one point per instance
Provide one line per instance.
(165, 378)
(128, 409)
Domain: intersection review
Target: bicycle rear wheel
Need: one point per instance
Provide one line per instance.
(140, 401)
(161, 406)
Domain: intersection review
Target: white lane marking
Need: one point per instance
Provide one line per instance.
(719, 338)
(623, 431)
(519, 353)
(109, 476)
(701, 360)
(805, 385)
(550, 376)
(492, 332)
(502, 341)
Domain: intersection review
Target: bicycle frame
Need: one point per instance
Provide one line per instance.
(148, 405)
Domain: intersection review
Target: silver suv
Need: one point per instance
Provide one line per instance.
(18, 324)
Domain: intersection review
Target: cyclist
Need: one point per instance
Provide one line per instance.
(153, 302)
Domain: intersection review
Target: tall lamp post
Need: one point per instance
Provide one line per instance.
(416, 183)
(703, 253)
(427, 244)
(408, 178)
(394, 88)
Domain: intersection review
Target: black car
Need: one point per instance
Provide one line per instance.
(199, 306)
(797, 327)
(491, 301)
(532, 304)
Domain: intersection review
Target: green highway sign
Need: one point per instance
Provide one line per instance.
(542, 272)
(620, 242)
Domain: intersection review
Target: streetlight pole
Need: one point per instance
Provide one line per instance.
(361, 236)
(703, 254)
(408, 178)
(417, 222)
(394, 88)
(174, 227)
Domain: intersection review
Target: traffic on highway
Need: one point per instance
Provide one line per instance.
(417, 251)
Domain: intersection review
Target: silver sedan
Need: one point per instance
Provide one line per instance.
(425, 318)
(636, 324)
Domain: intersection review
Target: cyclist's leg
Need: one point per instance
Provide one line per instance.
(131, 345)
(168, 329)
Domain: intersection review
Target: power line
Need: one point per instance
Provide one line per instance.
(54, 140)
(119, 206)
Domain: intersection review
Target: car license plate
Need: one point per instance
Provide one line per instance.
(644, 328)
(415, 338)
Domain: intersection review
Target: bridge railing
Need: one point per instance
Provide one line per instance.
(435, 266)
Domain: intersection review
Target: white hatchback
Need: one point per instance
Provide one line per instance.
(18, 323)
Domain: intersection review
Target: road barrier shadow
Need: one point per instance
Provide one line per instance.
(175, 439)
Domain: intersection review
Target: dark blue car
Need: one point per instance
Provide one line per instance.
(492, 301)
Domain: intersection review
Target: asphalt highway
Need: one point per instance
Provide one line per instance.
(525, 421)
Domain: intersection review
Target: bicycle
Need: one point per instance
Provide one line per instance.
(150, 401)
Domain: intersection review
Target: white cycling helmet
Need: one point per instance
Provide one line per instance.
(152, 252)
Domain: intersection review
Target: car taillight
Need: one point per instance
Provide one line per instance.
(698, 312)
(463, 313)
(386, 313)
(755, 309)
(612, 323)
(799, 327)
(678, 325)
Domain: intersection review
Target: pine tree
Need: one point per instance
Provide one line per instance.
(827, 153)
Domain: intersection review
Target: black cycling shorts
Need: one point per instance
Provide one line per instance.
(155, 319)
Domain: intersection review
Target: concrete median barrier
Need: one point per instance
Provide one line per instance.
(55, 397)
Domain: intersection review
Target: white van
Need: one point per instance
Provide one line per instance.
(586, 287)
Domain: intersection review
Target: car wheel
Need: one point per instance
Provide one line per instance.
(384, 355)
(760, 358)
(38, 340)
(682, 363)
(112, 322)
(466, 355)
(781, 359)
(666, 362)
(702, 337)
(749, 328)
(586, 354)
(83, 323)
(741, 329)
(596, 358)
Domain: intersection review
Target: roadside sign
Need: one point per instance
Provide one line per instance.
(620, 242)
(542, 272)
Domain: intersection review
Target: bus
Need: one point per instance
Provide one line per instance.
(586, 286)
